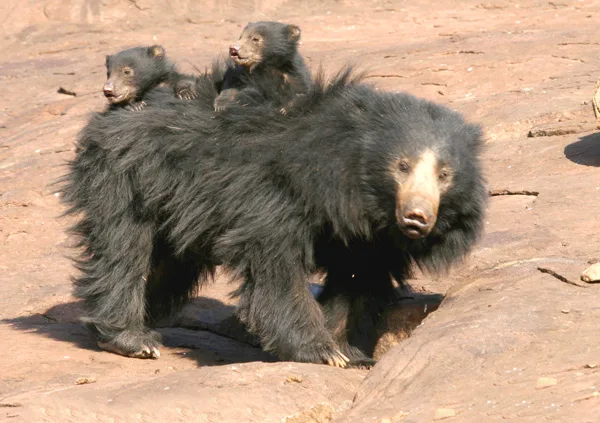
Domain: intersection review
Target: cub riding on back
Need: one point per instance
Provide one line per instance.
(132, 73)
(266, 52)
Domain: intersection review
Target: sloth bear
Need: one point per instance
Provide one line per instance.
(131, 73)
(360, 184)
(267, 50)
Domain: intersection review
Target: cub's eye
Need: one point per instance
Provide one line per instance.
(443, 175)
(404, 166)
(255, 39)
(128, 71)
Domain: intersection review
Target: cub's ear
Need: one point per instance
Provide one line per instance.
(294, 32)
(156, 51)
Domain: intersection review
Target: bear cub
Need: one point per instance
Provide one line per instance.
(266, 50)
(131, 73)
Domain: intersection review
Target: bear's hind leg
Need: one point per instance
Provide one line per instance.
(113, 284)
(173, 279)
(354, 298)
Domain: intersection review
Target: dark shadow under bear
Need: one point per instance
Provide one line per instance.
(361, 185)
(131, 73)
(266, 51)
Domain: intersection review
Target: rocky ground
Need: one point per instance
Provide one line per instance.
(516, 337)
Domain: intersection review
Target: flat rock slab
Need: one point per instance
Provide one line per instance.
(253, 392)
(513, 344)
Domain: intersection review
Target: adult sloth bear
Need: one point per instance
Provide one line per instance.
(359, 184)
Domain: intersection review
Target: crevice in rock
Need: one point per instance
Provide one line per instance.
(560, 277)
(391, 75)
(498, 192)
(405, 315)
(65, 91)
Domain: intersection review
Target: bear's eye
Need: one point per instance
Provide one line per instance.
(255, 39)
(443, 175)
(404, 166)
(128, 71)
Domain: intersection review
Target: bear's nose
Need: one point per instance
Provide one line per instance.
(108, 89)
(416, 217)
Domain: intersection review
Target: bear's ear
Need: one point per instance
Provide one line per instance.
(476, 137)
(156, 51)
(294, 32)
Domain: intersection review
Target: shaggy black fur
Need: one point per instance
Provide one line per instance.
(131, 73)
(166, 194)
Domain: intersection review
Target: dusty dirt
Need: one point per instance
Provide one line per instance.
(516, 337)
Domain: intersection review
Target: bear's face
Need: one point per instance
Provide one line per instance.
(266, 43)
(133, 71)
(421, 180)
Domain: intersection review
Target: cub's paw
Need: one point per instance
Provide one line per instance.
(187, 93)
(136, 107)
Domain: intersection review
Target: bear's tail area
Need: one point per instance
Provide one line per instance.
(210, 80)
(217, 68)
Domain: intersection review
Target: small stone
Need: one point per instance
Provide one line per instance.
(596, 100)
(17, 236)
(591, 366)
(545, 382)
(565, 311)
(400, 415)
(294, 378)
(591, 274)
(444, 413)
(56, 109)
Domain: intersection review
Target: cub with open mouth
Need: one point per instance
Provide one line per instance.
(266, 52)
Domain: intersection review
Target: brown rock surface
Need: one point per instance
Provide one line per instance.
(505, 324)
